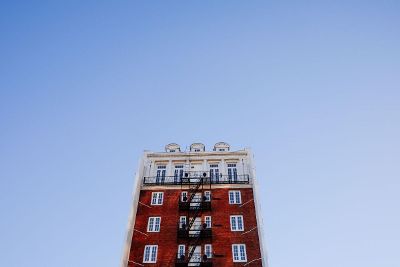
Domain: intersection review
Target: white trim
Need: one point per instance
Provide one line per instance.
(205, 250)
(153, 228)
(184, 249)
(157, 198)
(205, 220)
(261, 236)
(236, 219)
(239, 254)
(234, 197)
(132, 217)
(151, 247)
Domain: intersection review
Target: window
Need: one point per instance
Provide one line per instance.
(182, 221)
(207, 220)
(150, 254)
(157, 198)
(208, 250)
(172, 150)
(232, 172)
(181, 250)
(239, 253)
(161, 170)
(221, 149)
(184, 196)
(178, 174)
(237, 223)
(197, 150)
(207, 196)
(154, 224)
(235, 197)
(214, 172)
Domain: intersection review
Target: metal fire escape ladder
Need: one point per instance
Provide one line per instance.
(197, 208)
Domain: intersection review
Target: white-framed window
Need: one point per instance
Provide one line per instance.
(207, 196)
(235, 197)
(239, 253)
(214, 172)
(157, 198)
(161, 171)
(150, 254)
(208, 250)
(196, 150)
(181, 250)
(184, 196)
(232, 172)
(153, 224)
(207, 220)
(178, 173)
(182, 221)
(237, 223)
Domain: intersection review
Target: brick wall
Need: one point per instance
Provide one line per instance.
(222, 238)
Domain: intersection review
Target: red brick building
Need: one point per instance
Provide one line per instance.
(195, 208)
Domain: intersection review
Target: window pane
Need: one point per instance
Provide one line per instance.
(237, 197)
(233, 223)
(235, 252)
(157, 225)
(146, 253)
(240, 223)
(242, 253)
(153, 253)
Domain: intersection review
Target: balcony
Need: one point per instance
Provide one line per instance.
(194, 205)
(196, 260)
(193, 179)
(196, 231)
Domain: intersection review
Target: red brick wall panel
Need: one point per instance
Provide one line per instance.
(222, 238)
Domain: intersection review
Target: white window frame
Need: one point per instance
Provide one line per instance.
(235, 225)
(179, 250)
(150, 259)
(240, 257)
(182, 195)
(157, 196)
(207, 198)
(209, 255)
(237, 198)
(152, 223)
(181, 221)
(205, 221)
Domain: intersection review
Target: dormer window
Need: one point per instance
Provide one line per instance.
(221, 147)
(197, 147)
(172, 148)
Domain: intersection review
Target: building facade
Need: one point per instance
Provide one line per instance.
(195, 208)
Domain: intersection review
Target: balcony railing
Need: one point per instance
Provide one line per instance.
(194, 205)
(176, 180)
(197, 259)
(197, 230)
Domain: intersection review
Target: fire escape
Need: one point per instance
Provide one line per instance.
(194, 231)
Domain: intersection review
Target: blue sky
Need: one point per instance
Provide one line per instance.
(312, 87)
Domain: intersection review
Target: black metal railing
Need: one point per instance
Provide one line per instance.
(194, 205)
(197, 259)
(197, 230)
(174, 180)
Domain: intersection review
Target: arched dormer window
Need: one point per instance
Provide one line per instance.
(222, 146)
(197, 147)
(172, 148)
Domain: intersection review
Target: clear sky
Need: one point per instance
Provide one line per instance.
(312, 87)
